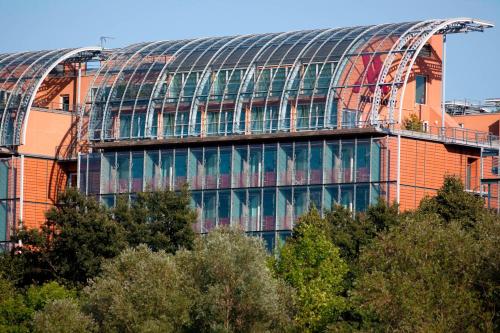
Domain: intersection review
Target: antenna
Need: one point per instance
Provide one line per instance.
(104, 39)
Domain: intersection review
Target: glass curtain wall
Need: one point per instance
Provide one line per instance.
(260, 187)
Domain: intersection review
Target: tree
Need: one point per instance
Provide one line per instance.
(139, 291)
(223, 284)
(351, 234)
(413, 123)
(78, 235)
(452, 202)
(162, 219)
(427, 276)
(17, 309)
(311, 263)
(234, 290)
(62, 316)
(14, 314)
(37, 297)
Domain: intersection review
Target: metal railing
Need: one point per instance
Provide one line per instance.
(57, 106)
(456, 135)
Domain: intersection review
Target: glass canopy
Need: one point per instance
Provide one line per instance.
(21, 74)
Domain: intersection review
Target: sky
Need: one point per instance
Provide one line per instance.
(472, 62)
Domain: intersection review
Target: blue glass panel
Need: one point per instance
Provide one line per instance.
(269, 209)
(362, 161)
(233, 84)
(180, 168)
(211, 166)
(152, 173)
(301, 163)
(347, 196)
(316, 163)
(299, 202)
(3, 221)
(224, 208)
(255, 166)
(4, 178)
(212, 123)
(82, 186)
(375, 161)
(263, 84)
(94, 173)
(271, 119)
(254, 209)
(209, 210)
(240, 167)
(137, 171)
(139, 125)
(285, 164)
(420, 89)
(303, 116)
(108, 172)
(270, 165)
(123, 165)
(108, 200)
(362, 197)
(196, 204)
(167, 169)
(332, 122)
(189, 84)
(269, 241)
(278, 81)
(347, 161)
(182, 124)
(331, 197)
(317, 116)
(169, 124)
(225, 168)
(239, 209)
(257, 119)
(285, 209)
(196, 169)
(315, 197)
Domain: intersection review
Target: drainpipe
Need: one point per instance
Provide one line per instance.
(21, 195)
(398, 171)
(443, 81)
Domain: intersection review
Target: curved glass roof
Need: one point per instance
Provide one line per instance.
(261, 83)
(21, 74)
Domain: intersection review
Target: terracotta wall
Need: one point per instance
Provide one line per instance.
(481, 122)
(49, 93)
(424, 164)
(43, 180)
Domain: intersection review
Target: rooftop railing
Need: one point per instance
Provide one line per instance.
(455, 135)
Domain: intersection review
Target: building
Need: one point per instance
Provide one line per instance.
(260, 126)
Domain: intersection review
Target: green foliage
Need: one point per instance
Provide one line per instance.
(234, 290)
(347, 233)
(221, 285)
(311, 264)
(62, 316)
(78, 235)
(413, 123)
(452, 202)
(17, 309)
(38, 296)
(14, 314)
(422, 277)
(162, 219)
(139, 291)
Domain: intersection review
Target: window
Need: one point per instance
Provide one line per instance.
(65, 102)
(426, 51)
(420, 89)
